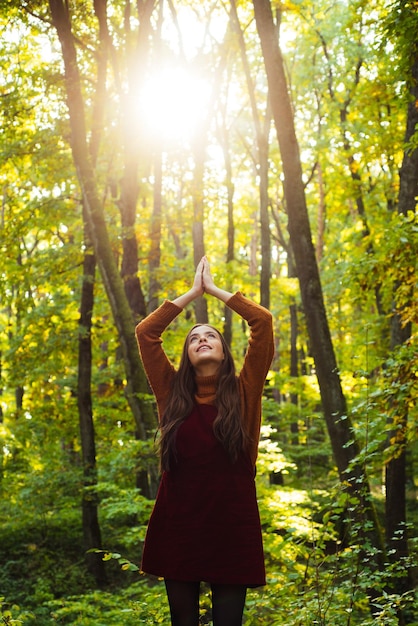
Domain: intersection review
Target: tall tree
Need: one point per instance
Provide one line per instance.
(395, 470)
(229, 184)
(90, 518)
(136, 382)
(262, 131)
(137, 57)
(343, 441)
(199, 151)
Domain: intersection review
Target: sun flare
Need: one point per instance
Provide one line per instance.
(174, 104)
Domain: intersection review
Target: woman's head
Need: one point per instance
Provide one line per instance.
(206, 352)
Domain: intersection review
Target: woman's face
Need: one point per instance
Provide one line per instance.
(205, 350)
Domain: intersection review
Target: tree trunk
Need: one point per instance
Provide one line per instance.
(230, 252)
(262, 165)
(294, 357)
(395, 471)
(200, 305)
(129, 269)
(199, 153)
(136, 381)
(344, 445)
(130, 187)
(263, 151)
(321, 216)
(154, 257)
(89, 504)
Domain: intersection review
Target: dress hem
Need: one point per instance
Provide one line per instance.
(205, 579)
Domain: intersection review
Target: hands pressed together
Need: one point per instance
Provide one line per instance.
(203, 280)
(203, 283)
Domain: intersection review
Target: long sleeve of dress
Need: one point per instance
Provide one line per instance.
(158, 368)
(256, 365)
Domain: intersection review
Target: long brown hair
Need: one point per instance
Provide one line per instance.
(227, 426)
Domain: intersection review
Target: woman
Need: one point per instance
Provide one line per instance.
(205, 524)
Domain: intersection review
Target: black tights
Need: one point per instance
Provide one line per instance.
(227, 603)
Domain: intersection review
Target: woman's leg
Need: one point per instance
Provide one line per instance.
(183, 598)
(228, 603)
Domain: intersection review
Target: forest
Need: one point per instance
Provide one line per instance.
(279, 138)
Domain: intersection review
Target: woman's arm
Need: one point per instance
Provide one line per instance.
(257, 362)
(158, 368)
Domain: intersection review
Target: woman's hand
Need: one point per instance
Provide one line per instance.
(198, 287)
(203, 283)
(209, 286)
(207, 278)
(195, 290)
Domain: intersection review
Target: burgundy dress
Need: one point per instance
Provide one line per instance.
(205, 525)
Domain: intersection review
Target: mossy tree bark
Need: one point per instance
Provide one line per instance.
(136, 384)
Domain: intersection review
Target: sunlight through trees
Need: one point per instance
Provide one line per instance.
(280, 140)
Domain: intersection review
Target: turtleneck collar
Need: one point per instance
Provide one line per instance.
(206, 389)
